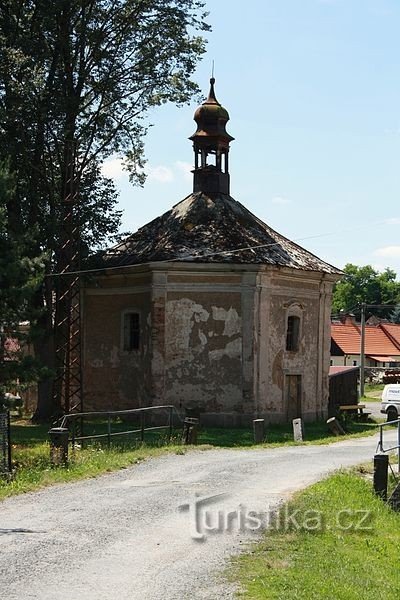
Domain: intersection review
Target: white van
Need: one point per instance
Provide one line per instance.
(390, 405)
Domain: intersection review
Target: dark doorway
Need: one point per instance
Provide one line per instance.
(293, 396)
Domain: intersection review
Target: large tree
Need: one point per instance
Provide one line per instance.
(20, 277)
(366, 284)
(77, 80)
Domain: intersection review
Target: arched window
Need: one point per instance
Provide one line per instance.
(130, 331)
(293, 333)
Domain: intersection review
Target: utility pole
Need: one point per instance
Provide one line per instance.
(362, 350)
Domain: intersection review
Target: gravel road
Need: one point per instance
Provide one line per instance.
(121, 536)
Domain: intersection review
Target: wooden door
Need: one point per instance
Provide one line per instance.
(293, 396)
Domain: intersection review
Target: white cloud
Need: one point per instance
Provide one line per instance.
(392, 221)
(388, 252)
(280, 200)
(160, 173)
(113, 168)
(185, 168)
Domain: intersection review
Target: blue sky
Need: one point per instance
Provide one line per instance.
(313, 92)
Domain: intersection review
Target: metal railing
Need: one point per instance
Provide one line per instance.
(380, 447)
(69, 421)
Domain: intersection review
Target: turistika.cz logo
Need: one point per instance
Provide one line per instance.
(205, 518)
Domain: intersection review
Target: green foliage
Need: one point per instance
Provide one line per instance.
(77, 81)
(365, 284)
(395, 315)
(20, 277)
(329, 562)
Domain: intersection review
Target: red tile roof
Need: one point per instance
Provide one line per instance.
(377, 341)
(384, 358)
(393, 330)
(338, 370)
(347, 337)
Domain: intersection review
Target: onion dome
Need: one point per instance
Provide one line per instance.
(211, 118)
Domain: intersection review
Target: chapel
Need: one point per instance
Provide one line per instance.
(208, 308)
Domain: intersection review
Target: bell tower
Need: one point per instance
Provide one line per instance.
(211, 147)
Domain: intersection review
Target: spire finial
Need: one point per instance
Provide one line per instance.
(212, 70)
(211, 96)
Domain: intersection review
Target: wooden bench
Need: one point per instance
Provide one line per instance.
(355, 409)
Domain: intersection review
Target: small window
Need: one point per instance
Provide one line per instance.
(293, 333)
(331, 362)
(354, 363)
(131, 331)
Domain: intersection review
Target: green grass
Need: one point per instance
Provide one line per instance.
(374, 387)
(330, 563)
(31, 460)
(30, 450)
(278, 435)
(372, 392)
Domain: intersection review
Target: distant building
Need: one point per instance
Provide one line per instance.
(208, 307)
(382, 344)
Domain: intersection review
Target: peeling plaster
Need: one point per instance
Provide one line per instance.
(233, 323)
(183, 314)
(232, 350)
(203, 338)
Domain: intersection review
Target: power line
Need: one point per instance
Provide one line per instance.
(211, 254)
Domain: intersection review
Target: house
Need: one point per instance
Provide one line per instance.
(207, 307)
(382, 344)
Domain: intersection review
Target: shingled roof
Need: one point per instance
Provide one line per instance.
(212, 228)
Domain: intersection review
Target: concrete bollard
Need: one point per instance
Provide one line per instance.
(298, 430)
(58, 446)
(258, 429)
(190, 427)
(381, 465)
(335, 427)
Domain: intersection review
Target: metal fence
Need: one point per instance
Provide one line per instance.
(145, 417)
(380, 447)
(5, 444)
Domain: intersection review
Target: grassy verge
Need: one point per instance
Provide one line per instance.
(30, 454)
(373, 392)
(330, 562)
(30, 451)
(282, 435)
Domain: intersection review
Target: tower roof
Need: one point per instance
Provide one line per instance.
(211, 118)
(209, 226)
(212, 229)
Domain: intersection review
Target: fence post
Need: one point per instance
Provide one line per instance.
(381, 464)
(170, 422)
(9, 442)
(298, 430)
(335, 426)
(142, 425)
(58, 446)
(189, 434)
(258, 430)
(109, 430)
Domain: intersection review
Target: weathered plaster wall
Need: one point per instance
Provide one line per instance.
(204, 351)
(278, 294)
(114, 378)
(213, 339)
